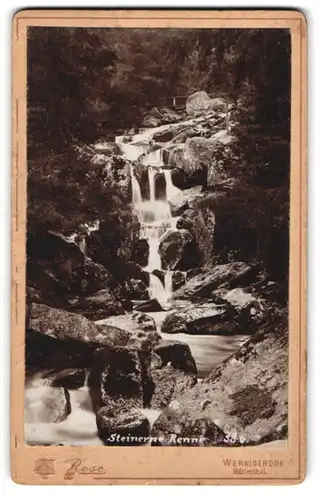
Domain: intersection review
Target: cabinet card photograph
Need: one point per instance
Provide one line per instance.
(159, 247)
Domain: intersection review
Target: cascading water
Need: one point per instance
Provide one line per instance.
(154, 214)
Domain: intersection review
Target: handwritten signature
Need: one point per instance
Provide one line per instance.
(76, 466)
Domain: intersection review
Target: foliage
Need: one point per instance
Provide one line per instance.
(84, 83)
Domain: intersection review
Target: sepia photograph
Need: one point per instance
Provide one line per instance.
(157, 237)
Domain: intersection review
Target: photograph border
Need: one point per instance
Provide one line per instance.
(162, 465)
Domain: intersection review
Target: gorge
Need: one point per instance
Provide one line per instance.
(164, 322)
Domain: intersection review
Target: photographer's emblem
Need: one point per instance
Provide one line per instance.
(44, 467)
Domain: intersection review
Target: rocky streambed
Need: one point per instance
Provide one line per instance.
(134, 334)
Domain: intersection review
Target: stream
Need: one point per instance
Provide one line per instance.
(155, 219)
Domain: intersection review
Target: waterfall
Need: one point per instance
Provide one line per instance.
(172, 190)
(136, 192)
(154, 215)
(152, 186)
(154, 259)
(168, 283)
(154, 158)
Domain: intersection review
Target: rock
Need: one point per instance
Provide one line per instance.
(218, 104)
(141, 252)
(198, 153)
(108, 148)
(178, 279)
(155, 117)
(250, 308)
(43, 296)
(133, 270)
(160, 186)
(187, 220)
(179, 178)
(151, 305)
(54, 245)
(163, 136)
(200, 221)
(173, 371)
(136, 321)
(241, 300)
(246, 396)
(136, 289)
(46, 404)
(115, 380)
(178, 354)
(140, 172)
(62, 270)
(182, 200)
(43, 352)
(159, 274)
(200, 101)
(66, 326)
(176, 157)
(218, 172)
(125, 428)
(144, 341)
(202, 319)
(94, 277)
(171, 247)
(98, 306)
(118, 174)
(69, 379)
(227, 275)
(113, 243)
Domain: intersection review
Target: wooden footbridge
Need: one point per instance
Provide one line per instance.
(173, 102)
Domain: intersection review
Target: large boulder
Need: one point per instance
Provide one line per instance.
(171, 247)
(173, 370)
(198, 153)
(241, 300)
(200, 101)
(178, 279)
(117, 170)
(203, 284)
(132, 323)
(136, 289)
(155, 117)
(202, 319)
(151, 305)
(140, 171)
(113, 243)
(69, 379)
(115, 380)
(93, 277)
(122, 428)
(43, 352)
(187, 220)
(141, 327)
(160, 186)
(244, 401)
(46, 404)
(59, 268)
(200, 221)
(182, 200)
(164, 135)
(98, 305)
(141, 252)
(66, 326)
(108, 148)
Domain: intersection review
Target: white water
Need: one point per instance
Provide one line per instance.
(154, 214)
(79, 428)
(155, 218)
